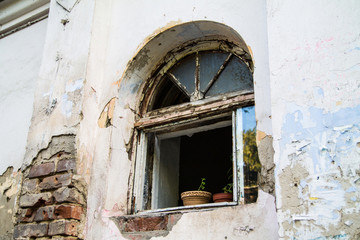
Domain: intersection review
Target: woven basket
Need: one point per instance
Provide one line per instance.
(195, 197)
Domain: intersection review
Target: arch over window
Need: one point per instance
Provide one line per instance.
(201, 75)
(197, 120)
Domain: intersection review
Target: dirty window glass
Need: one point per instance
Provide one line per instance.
(210, 63)
(235, 77)
(252, 164)
(185, 73)
(206, 74)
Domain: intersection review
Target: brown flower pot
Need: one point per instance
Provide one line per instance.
(223, 197)
(195, 197)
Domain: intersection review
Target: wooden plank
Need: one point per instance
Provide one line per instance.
(201, 108)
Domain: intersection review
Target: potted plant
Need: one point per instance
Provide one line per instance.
(226, 195)
(196, 197)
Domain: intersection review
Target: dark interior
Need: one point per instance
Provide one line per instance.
(206, 155)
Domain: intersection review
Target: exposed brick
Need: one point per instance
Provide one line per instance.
(64, 227)
(68, 195)
(44, 213)
(56, 181)
(30, 200)
(31, 230)
(67, 211)
(43, 169)
(25, 215)
(143, 224)
(66, 165)
(30, 185)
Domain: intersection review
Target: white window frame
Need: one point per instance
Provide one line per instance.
(238, 170)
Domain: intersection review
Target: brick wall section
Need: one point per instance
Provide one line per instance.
(144, 227)
(52, 200)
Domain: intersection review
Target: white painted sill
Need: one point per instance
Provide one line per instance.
(199, 207)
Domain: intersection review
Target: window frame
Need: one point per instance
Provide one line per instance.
(187, 116)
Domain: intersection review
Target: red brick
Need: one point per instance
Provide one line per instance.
(67, 211)
(55, 181)
(144, 224)
(30, 200)
(66, 165)
(31, 230)
(68, 195)
(64, 227)
(42, 170)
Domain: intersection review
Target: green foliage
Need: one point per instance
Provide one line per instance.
(228, 188)
(251, 158)
(202, 185)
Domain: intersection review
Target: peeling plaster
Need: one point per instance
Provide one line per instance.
(319, 171)
(106, 116)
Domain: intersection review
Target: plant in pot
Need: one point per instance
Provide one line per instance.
(225, 196)
(196, 197)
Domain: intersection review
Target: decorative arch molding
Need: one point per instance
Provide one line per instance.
(163, 50)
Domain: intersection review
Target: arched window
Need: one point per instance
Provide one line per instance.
(197, 121)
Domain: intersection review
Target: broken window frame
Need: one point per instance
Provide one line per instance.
(187, 116)
(184, 117)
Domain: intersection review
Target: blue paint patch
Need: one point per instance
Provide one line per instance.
(353, 49)
(336, 237)
(353, 199)
(330, 134)
(351, 189)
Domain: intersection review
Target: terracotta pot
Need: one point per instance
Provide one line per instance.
(223, 197)
(195, 197)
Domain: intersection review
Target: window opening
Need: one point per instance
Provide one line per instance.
(203, 74)
(212, 139)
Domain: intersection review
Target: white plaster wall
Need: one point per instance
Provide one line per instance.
(58, 96)
(314, 52)
(20, 60)
(120, 30)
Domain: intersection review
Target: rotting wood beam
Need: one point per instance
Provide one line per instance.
(207, 107)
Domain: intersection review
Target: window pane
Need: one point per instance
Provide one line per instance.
(251, 160)
(210, 63)
(168, 94)
(184, 71)
(235, 77)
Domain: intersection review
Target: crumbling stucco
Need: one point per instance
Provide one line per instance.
(9, 190)
(266, 157)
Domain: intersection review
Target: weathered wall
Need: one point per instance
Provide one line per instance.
(315, 84)
(97, 56)
(20, 59)
(53, 191)
(120, 31)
